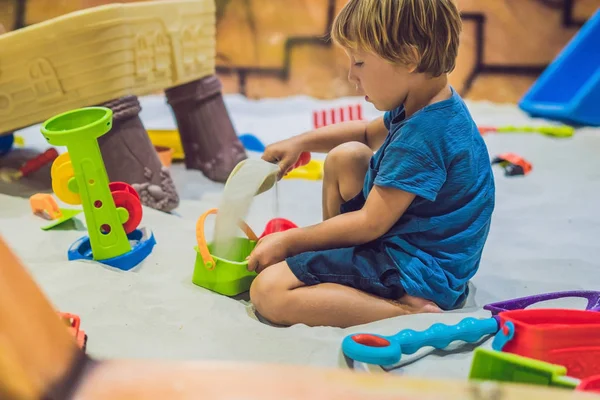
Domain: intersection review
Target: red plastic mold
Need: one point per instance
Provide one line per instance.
(277, 225)
(591, 384)
(558, 336)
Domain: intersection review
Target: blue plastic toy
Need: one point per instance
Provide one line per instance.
(387, 350)
(6, 143)
(569, 89)
(142, 245)
(252, 143)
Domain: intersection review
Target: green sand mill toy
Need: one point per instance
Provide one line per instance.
(112, 211)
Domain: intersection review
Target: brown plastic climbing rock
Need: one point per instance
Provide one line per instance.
(130, 157)
(207, 135)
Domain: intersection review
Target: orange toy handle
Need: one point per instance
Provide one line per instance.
(209, 261)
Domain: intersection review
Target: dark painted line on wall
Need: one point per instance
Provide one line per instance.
(283, 72)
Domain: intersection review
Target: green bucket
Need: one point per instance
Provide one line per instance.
(228, 277)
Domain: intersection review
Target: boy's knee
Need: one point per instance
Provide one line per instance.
(348, 155)
(267, 296)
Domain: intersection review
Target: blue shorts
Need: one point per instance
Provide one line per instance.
(366, 267)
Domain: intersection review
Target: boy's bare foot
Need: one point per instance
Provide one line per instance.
(418, 305)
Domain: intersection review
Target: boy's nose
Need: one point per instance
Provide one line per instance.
(354, 81)
(352, 78)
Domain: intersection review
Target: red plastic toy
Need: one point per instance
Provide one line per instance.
(73, 322)
(591, 384)
(513, 164)
(558, 336)
(127, 197)
(277, 225)
(31, 166)
(302, 160)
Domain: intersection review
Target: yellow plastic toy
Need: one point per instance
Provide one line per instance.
(19, 141)
(312, 171)
(167, 138)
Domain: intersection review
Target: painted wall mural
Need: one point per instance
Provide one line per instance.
(274, 48)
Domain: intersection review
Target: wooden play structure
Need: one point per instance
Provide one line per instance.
(99, 54)
(111, 54)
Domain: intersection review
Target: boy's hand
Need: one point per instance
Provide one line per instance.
(284, 153)
(269, 250)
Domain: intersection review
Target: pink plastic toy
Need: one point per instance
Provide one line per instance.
(335, 115)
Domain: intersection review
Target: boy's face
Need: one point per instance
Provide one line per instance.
(384, 84)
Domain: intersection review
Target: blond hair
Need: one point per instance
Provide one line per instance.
(424, 33)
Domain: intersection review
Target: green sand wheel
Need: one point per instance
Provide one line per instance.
(112, 210)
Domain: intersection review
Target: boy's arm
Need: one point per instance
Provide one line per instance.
(376, 133)
(384, 206)
(286, 152)
(324, 139)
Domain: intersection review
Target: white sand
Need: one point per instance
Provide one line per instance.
(544, 238)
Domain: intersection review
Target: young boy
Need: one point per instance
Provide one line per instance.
(404, 227)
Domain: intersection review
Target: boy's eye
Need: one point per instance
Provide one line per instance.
(358, 63)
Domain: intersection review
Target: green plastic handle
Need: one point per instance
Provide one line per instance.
(555, 131)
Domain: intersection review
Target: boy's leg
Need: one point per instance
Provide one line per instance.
(344, 175)
(283, 299)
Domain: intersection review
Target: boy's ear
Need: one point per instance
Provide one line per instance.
(2, 29)
(415, 59)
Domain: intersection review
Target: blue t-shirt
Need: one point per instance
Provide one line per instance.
(439, 155)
